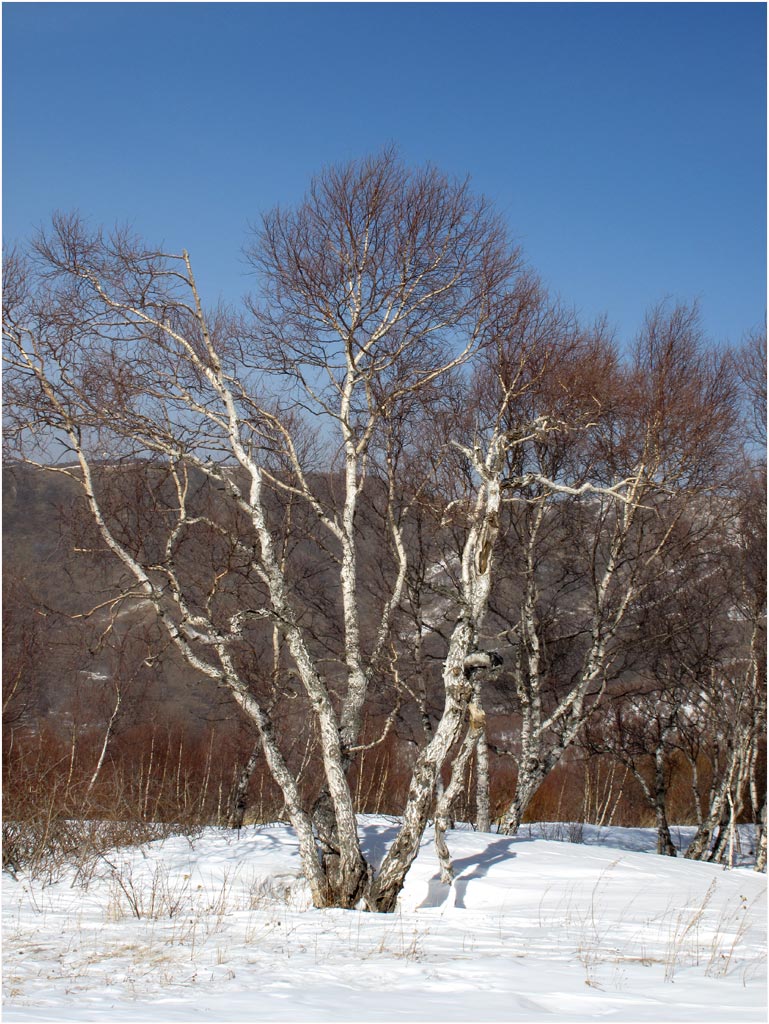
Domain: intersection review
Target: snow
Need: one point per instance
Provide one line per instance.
(220, 928)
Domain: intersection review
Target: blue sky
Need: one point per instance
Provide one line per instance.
(624, 143)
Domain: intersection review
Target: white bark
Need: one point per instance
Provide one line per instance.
(108, 734)
(482, 777)
(443, 807)
(238, 800)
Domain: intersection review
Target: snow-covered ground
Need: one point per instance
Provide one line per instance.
(220, 929)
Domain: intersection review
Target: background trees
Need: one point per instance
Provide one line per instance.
(601, 506)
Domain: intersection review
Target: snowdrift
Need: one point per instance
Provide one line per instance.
(220, 928)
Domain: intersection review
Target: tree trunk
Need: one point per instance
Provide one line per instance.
(761, 840)
(526, 785)
(695, 786)
(108, 734)
(384, 889)
(717, 813)
(443, 819)
(238, 802)
(664, 841)
(482, 788)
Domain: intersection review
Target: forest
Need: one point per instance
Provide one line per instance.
(399, 535)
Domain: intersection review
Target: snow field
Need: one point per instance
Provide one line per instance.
(220, 928)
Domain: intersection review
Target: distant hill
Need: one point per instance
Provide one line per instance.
(49, 586)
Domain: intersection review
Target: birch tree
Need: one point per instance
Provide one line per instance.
(380, 285)
(637, 445)
(531, 405)
(729, 718)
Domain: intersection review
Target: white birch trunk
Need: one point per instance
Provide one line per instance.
(482, 783)
(108, 734)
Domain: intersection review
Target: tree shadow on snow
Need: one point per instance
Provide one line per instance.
(438, 892)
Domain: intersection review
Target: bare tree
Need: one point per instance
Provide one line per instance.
(380, 285)
(637, 731)
(537, 399)
(750, 363)
(730, 715)
(638, 445)
(653, 715)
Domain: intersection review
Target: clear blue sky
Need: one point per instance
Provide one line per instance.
(624, 143)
